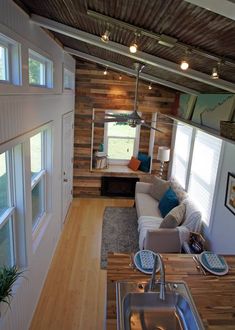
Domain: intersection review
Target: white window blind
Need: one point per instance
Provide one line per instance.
(181, 153)
(205, 161)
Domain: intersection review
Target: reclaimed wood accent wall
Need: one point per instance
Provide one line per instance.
(94, 90)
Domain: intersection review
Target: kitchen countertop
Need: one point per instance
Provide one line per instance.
(214, 296)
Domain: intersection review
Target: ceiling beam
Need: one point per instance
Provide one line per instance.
(225, 8)
(128, 71)
(123, 50)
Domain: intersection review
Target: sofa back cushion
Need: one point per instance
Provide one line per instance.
(178, 189)
(174, 218)
(192, 216)
(158, 188)
(168, 201)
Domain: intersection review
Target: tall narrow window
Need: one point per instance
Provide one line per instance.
(120, 141)
(181, 153)
(40, 70)
(3, 63)
(68, 79)
(205, 161)
(10, 63)
(37, 177)
(7, 255)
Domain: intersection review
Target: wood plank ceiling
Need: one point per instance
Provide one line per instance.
(195, 27)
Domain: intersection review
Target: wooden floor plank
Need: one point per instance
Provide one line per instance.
(73, 296)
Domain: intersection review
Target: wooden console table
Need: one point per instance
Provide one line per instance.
(213, 295)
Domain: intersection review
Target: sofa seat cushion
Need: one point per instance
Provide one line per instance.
(146, 205)
(146, 223)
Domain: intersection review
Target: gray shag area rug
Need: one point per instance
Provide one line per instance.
(119, 232)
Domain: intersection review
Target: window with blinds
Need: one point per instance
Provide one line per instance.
(181, 153)
(203, 172)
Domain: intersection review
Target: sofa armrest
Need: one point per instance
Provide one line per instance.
(163, 240)
(143, 187)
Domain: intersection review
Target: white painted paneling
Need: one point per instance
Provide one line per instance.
(223, 225)
(22, 109)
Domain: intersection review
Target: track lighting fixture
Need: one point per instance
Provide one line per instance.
(134, 46)
(150, 86)
(215, 71)
(120, 77)
(184, 65)
(105, 36)
(106, 71)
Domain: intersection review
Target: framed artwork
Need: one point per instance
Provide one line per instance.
(230, 193)
(210, 109)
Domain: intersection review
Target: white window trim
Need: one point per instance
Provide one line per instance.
(136, 141)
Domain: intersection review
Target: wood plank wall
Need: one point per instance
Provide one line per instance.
(95, 90)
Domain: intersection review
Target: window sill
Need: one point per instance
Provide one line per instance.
(124, 169)
(39, 231)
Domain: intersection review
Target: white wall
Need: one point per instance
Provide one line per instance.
(23, 108)
(222, 232)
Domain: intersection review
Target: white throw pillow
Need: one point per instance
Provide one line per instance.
(174, 218)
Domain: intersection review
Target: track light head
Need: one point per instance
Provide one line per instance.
(120, 77)
(184, 65)
(150, 86)
(105, 36)
(133, 48)
(215, 74)
(106, 71)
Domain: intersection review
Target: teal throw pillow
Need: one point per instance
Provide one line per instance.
(168, 201)
(145, 162)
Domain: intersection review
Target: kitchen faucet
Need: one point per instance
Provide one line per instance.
(157, 259)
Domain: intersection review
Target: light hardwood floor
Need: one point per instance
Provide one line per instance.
(73, 296)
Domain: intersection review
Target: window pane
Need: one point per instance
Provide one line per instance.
(205, 161)
(181, 153)
(3, 68)
(6, 244)
(37, 201)
(36, 154)
(4, 201)
(36, 72)
(120, 148)
(121, 129)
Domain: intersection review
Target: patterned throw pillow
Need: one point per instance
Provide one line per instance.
(134, 164)
(159, 187)
(174, 218)
(178, 189)
(168, 201)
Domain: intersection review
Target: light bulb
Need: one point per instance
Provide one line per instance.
(215, 74)
(184, 65)
(133, 48)
(105, 36)
(150, 86)
(105, 72)
(120, 77)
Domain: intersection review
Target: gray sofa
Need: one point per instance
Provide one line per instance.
(151, 235)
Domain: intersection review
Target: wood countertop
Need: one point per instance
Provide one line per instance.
(214, 296)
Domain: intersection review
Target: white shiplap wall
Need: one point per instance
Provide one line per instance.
(22, 109)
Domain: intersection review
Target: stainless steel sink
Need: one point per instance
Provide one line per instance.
(138, 309)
